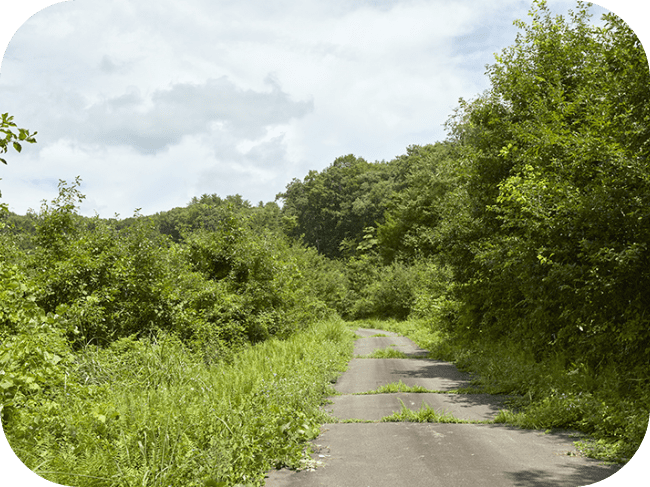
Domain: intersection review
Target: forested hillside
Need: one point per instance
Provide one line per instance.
(519, 246)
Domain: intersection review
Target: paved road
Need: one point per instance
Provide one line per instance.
(379, 454)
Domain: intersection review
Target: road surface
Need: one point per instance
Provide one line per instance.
(382, 454)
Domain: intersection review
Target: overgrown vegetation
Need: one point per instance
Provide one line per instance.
(194, 346)
(520, 243)
(129, 358)
(149, 412)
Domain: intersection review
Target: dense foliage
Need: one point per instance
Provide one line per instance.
(107, 326)
(331, 210)
(558, 189)
(553, 253)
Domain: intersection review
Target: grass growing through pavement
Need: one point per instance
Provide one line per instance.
(425, 414)
(387, 352)
(353, 420)
(151, 413)
(554, 393)
(395, 387)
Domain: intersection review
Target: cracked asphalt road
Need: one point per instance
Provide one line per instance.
(376, 454)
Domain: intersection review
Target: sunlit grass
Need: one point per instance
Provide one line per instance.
(153, 414)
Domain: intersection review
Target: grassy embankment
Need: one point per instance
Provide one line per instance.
(551, 394)
(151, 413)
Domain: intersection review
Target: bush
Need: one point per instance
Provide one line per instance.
(34, 357)
(395, 290)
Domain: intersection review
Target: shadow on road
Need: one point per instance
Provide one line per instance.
(570, 476)
(430, 369)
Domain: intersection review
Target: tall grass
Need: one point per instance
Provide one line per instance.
(152, 413)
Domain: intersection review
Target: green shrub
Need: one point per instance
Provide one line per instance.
(381, 291)
(34, 356)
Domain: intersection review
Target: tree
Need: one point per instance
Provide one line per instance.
(331, 210)
(11, 138)
(558, 186)
(417, 207)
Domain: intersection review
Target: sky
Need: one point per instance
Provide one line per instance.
(154, 102)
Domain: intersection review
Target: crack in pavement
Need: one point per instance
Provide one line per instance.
(360, 450)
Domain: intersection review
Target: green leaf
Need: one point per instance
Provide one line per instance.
(17, 147)
(52, 358)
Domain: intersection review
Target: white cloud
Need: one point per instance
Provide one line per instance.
(183, 109)
(153, 102)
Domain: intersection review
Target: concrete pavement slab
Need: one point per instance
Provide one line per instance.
(443, 455)
(367, 374)
(368, 332)
(365, 346)
(373, 407)
(435, 454)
